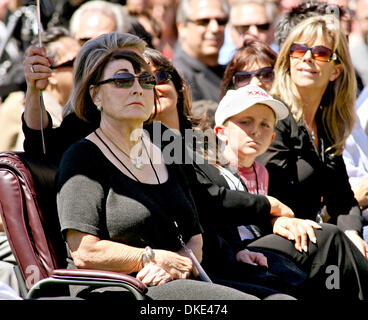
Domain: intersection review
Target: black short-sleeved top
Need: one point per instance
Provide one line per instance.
(95, 197)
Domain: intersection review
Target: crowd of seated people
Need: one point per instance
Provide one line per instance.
(277, 192)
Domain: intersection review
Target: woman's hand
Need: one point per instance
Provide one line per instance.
(178, 266)
(153, 275)
(250, 257)
(298, 230)
(278, 209)
(358, 241)
(36, 68)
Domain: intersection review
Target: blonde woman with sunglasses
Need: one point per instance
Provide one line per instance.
(314, 76)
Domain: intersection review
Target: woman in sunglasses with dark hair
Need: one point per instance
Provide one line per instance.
(315, 78)
(251, 64)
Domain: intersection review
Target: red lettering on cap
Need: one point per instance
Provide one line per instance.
(257, 93)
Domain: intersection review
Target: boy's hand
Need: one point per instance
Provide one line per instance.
(254, 258)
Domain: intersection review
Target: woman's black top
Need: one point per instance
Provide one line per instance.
(95, 197)
(306, 179)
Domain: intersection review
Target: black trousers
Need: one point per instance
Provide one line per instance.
(335, 267)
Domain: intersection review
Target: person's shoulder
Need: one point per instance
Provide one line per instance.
(81, 158)
(159, 132)
(82, 151)
(287, 123)
(207, 173)
(260, 168)
(186, 64)
(73, 122)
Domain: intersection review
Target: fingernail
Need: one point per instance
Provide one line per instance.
(305, 248)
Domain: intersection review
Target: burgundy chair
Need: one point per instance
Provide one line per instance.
(28, 211)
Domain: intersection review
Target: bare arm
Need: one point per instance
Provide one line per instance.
(278, 209)
(35, 58)
(90, 252)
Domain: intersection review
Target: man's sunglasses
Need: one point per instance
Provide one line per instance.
(243, 78)
(126, 80)
(245, 28)
(66, 64)
(205, 22)
(320, 53)
(162, 77)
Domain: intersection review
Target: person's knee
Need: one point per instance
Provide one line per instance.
(280, 296)
(328, 235)
(328, 229)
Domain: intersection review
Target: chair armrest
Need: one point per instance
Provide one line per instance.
(93, 275)
(86, 277)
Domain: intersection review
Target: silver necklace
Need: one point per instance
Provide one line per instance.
(117, 158)
(138, 163)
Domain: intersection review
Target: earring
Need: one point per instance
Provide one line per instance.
(99, 108)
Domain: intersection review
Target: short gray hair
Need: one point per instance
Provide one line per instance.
(183, 12)
(114, 10)
(270, 7)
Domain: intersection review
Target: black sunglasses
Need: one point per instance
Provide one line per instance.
(205, 21)
(162, 77)
(243, 78)
(69, 63)
(126, 80)
(245, 28)
(320, 53)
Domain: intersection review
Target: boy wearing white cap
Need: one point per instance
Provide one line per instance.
(245, 121)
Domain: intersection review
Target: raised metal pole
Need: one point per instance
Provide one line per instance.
(42, 106)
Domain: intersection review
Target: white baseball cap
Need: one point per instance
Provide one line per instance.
(236, 101)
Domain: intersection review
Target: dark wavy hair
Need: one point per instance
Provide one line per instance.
(253, 51)
(182, 88)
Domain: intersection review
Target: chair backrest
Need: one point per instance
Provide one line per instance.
(28, 211)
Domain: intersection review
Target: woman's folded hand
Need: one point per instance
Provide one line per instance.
(165, 267)
(153, 275)
(178, 266)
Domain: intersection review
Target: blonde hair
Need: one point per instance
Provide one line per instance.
(338, 116)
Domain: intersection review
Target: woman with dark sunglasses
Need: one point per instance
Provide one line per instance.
(314, 76)
(251, 64)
